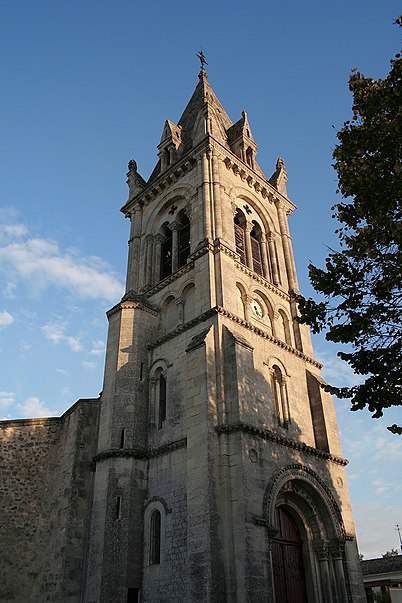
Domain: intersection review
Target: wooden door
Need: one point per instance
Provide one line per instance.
(287, 561)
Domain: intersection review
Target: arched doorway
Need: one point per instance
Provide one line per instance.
(287, 560)
(306, 538)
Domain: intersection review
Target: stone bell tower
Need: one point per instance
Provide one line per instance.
(219, 475)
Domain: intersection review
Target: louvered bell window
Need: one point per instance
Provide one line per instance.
(239, 240)
(256, 255)
(166, 257)
(184, 244)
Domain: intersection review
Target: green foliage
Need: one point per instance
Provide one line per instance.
(361, 282)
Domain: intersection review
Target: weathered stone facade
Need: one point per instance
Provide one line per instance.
(46, 488)
(214, 470)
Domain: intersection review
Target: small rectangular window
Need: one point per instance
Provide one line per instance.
(122, 438)
(118, 507)
(132, 595)
(141, 371)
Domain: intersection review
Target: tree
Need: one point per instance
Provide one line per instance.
(361, 282)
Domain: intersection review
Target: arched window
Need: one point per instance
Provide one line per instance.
(255, 239)
(240, 235)
(184, 241)
(166, 253)
(155, 538)
(161, 400)
(175, 246)
(249, 157)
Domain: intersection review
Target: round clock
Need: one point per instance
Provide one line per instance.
(256, 308)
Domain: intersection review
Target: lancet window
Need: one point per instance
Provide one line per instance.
(166, 253)
(240, 235)
(155, 538)
(251, 246)
(256, 256)
(184, 241)
(175, 246)
(161, 400)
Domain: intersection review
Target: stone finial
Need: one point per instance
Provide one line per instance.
(280, 177)
(135, 181)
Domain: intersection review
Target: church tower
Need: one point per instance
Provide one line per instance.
(219, 474)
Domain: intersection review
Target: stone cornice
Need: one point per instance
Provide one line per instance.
(266, 335)
(267, 434)
(220, 246)
(182, 328)
(219, 310)
(141, 454)
(162, 182)
(256, 182)
(170, 279)
(232, 162)
(133, 301)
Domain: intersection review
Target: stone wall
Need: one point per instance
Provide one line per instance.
(45, 487)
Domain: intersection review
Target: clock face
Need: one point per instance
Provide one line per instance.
(256, 308)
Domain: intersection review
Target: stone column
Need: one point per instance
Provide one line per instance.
(246, 299)
(271, 535)
(249, 254)
(149, 258)
(337, 552)
(174, 227)
(274, 264)
(217, 197)
(207, 194)
(284, 401)
(157, 258)
(264, 257)
(287, 247)
(322, 552)
(180, 310)
(134, 249)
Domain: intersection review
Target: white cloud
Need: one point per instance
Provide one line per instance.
(62, 371)
(54, 332)
(336, 371)
(6, 398)
(98, 347)
(25, 346)
(33, 408)
(88, 364)
(375, 526)
(6, 318)
(9, 289)
(13, 231)
(41, 263)
(383, 445)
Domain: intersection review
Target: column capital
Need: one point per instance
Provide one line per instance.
(337, 549)
(322, 549)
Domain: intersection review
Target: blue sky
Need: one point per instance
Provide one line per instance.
(86, 86)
